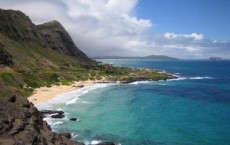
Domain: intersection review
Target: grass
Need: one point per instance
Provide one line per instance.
(36, 66)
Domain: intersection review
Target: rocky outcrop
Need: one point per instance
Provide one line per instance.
(16, 25)
(57, 116)
(21, 123)
(53, 113)
(5, 57)
(59, 40)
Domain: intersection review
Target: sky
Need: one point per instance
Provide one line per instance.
(187, 29)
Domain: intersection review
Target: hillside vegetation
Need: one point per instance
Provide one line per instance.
(33, 56)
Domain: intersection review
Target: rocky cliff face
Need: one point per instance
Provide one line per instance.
(17, 26)
(58, 39)
(21, 124)
(5, 57)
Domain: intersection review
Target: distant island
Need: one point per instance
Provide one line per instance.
(137, 57)
(217, 59)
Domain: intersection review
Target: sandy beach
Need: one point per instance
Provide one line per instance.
(44, 94)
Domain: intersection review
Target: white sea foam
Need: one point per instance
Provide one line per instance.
(162, 84)
(94, 142)
(177, 79)
(53, 121)
(73, 101)
(59, 109)
(69, 98)
(73, 135)
(85, 102)
(139, 82)
(49, 120)
(190, 78)
(200, 78)
(58, 122)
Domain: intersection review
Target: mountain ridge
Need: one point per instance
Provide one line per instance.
(17, 26)
(59, 40)
(137, 57)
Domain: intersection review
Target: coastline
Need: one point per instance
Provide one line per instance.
(43, 94)
(51, 98)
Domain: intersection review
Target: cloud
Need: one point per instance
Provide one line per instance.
(110, 27)
(193, 36)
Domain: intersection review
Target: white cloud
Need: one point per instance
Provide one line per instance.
(193, 36)
(109, 27)
(121, 6)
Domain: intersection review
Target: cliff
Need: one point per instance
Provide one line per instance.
(17, 26)
(58, 39)
(21, 123)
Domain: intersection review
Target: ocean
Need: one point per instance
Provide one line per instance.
(191, 110)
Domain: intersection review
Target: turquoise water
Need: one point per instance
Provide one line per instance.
(192, 110)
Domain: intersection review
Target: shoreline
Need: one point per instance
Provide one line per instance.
(44, 97)
(44, 94)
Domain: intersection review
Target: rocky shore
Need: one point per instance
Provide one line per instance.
(21, 124)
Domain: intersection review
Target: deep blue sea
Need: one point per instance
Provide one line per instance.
(191, 110)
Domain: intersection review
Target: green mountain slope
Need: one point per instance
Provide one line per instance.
(58, 39)
(28, 60)
(17, 26)
(34, 56)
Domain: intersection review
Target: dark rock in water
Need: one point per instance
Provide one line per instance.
(67, 135)
(73, 119)
(12, 99)
(107, 143)
(51, 112)
(58, 116)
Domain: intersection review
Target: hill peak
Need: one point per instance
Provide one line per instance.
(16, 25)
(59, 40)
(53, 23)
